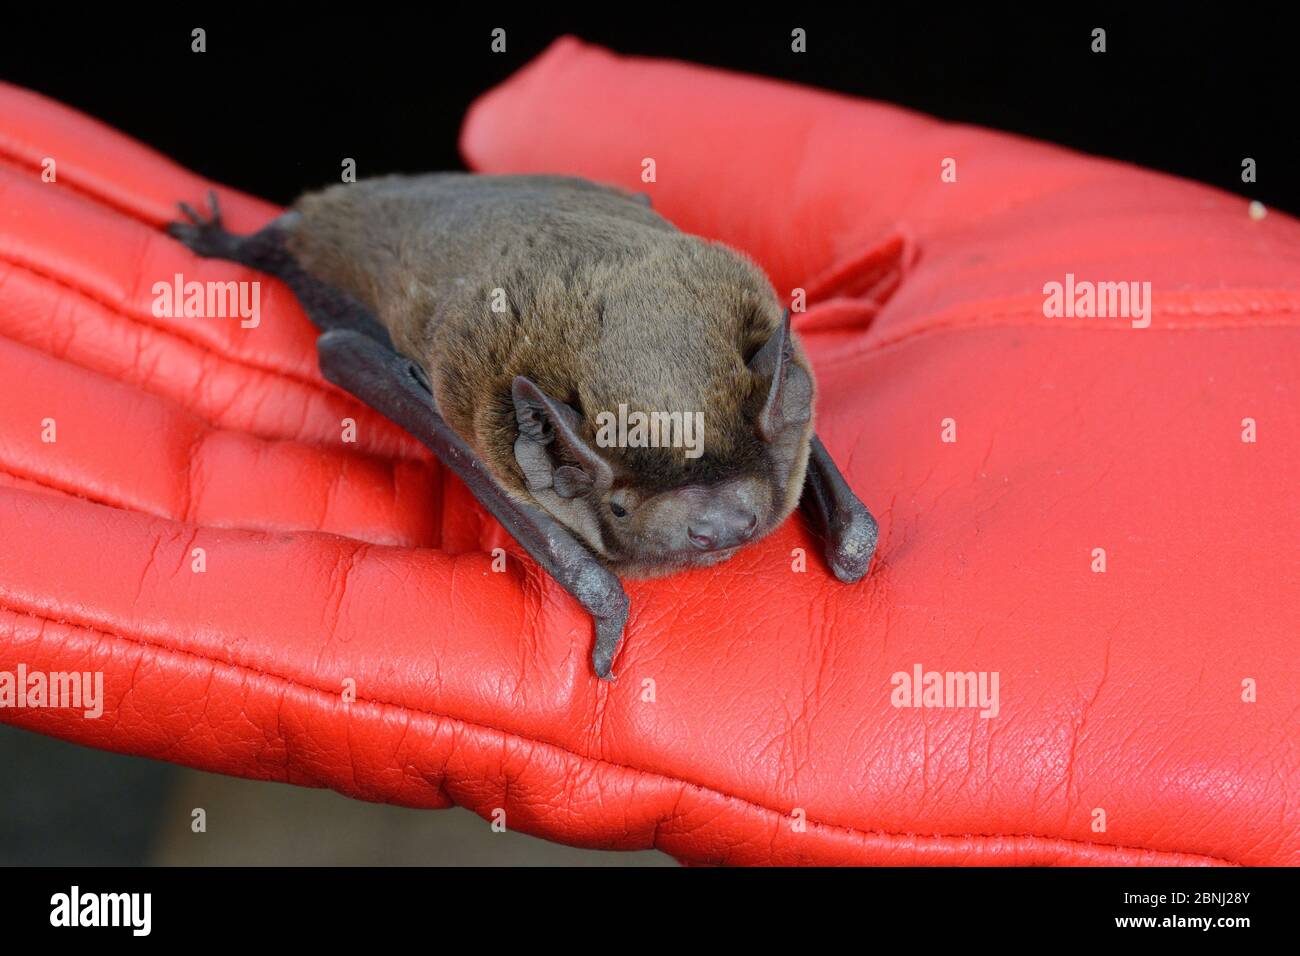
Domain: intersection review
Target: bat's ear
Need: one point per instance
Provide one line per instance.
(789, 387)
(545, 426)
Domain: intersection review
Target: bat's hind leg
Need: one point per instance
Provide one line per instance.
(267, 250)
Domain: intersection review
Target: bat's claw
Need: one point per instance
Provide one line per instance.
(609, 634)
(852, 543)
(188, 212)
(604, 668)
(602, 595)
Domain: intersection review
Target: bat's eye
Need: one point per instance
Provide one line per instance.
(622, 501)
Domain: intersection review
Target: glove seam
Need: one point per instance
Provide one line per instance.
(884, 344)
(321, 387)
(1117, 849)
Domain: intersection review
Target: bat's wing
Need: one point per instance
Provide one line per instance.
(396, 387)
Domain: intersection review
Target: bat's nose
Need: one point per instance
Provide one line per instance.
(721, 529)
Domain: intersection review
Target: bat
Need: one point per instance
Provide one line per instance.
(627, 399)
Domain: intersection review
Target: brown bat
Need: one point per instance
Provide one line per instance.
(626, 399)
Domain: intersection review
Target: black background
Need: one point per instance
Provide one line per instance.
(914, 909)
(276, 102)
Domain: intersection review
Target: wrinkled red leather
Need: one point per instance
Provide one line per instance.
(329, 561)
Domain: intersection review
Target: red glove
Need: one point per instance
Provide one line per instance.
(199, 532)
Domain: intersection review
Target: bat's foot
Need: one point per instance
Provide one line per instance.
(205, 235)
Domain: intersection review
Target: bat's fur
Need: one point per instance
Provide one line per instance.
(608, 303)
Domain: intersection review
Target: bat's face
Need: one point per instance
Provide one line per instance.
(647, 532)
(648, 511)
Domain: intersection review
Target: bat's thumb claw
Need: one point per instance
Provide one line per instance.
(600, 592)
(602, 661)
(851, 548)
(602, 658)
